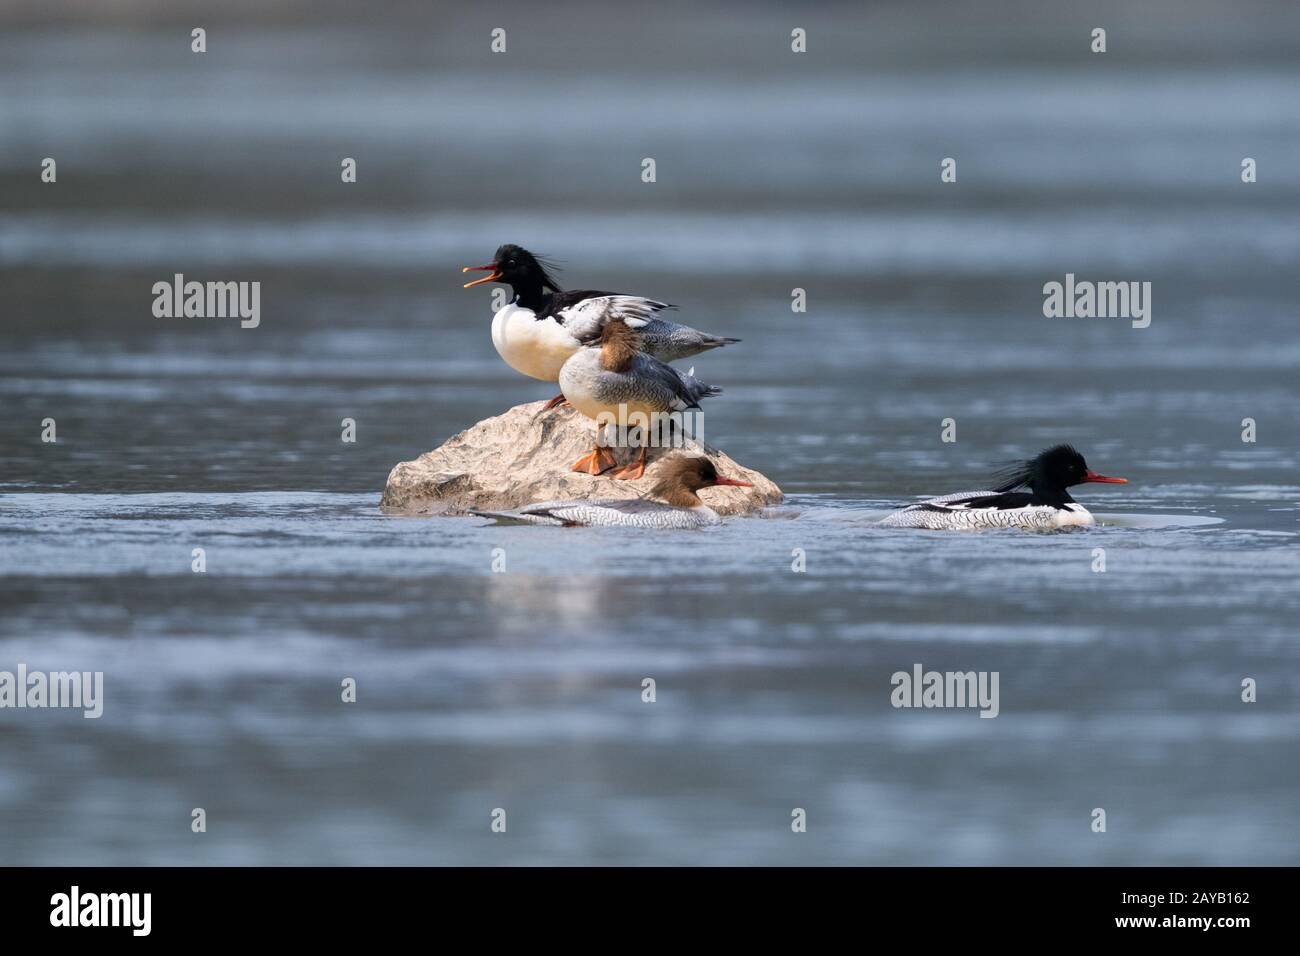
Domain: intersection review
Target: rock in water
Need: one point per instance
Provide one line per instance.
(524, 456)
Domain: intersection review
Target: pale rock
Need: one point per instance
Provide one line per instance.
(524, 456)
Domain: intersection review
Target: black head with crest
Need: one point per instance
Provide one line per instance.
(1051, 470)
(529, 275)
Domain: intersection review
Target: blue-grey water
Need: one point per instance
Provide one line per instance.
(521, 688)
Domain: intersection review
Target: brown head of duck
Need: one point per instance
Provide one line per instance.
(681, 477)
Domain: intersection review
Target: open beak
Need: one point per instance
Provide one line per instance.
(490, 278)
(1104, 479)
(733, 481)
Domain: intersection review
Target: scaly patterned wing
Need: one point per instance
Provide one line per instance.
(584, 318)
(638, 513)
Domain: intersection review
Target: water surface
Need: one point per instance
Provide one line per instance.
(522, 689)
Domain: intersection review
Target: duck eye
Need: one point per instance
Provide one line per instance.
(511, 263)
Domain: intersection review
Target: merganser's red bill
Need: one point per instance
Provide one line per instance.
(733, 481)
(1103, 479)
(488, 268)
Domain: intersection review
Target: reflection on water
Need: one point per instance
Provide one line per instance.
(523, 689)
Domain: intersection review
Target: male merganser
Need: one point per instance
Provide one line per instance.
(678, 506)
(617, 380)
(1047, 506)
(543, 326)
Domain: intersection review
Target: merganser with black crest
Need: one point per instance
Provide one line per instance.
(679, 506)
(615, 380)
(1046, 506)
(544, 325)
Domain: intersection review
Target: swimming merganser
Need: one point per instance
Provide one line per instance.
(615, 379)
(678, 506)
(543, 326)
(1047, 506)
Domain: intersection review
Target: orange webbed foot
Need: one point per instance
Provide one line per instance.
(630, 472)
(597, 462)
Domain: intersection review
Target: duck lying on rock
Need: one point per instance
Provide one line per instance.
(520, 457)
(678, 505)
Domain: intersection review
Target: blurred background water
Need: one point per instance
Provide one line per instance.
(522, 690)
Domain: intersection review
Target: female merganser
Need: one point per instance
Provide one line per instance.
(543, 326)
(617, 380)
(679, 505)
(1047, 506)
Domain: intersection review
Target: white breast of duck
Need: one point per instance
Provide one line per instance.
(979, 510)
(534, 347)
